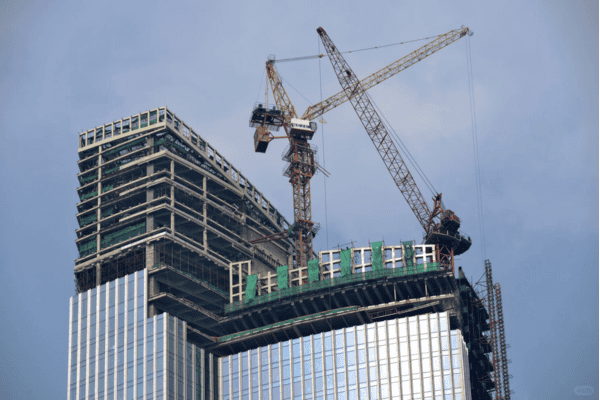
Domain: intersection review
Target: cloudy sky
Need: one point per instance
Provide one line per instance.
(70, 66)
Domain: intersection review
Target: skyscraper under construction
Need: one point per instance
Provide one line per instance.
(175, 301)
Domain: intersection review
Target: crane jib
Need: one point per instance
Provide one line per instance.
(444, 234)
(423, 52)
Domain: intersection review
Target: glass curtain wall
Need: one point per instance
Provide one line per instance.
(407, 358)
(115, 352)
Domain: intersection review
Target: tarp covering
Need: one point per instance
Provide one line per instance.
(282, 277)
(250, 288)
(377, 256)
(346, 262)
(409, 253)
(313, 270)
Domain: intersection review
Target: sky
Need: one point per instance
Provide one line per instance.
(69, 66)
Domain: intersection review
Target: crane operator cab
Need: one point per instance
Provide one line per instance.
(302, 128)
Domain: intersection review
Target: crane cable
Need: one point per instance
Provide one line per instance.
(396, 139)
(290, 85)
(323, 147)
(319, 56)
(475, 147)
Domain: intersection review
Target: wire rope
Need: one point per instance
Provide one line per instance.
(475, 148)
(297, 91)
(319, 56)
(396, 139)
(323, 147)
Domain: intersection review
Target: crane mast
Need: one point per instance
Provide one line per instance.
(443, 233)
(300, 157)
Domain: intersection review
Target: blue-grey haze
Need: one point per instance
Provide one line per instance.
(69, 66)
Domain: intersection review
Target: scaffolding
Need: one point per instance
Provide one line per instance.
(502, 340)
(493, 337)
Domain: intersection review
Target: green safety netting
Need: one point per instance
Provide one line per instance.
(169, 141)
(250, 288)
(409, 253)
(87, 179)
(346, 262)
(125, 146)
(313, 270)
(89, 219)
(108, 212)
(89, 195)
(123, 234)
(107, 188)
(113, 169)
(377, 256)
(282, 277)
(292, 291)
(87, 248)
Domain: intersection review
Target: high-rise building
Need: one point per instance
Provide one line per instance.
(417, 357)
(177, 300)
(116, 352)
(162, 214)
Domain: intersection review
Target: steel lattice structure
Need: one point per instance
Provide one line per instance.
(376, 78)
(301, 156)
(493, 331)
(502, 340)
(441, 226)
(301, 170)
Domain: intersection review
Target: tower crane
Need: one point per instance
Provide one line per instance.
(441, 225)
(301, 156)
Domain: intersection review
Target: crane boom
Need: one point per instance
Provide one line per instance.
(444, 231)
(376, 78)
(282, 99)
(377, 131)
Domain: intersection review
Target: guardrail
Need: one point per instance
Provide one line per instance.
(292, 291)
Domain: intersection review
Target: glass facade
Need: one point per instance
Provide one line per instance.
(116, 353)
(417, 357)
